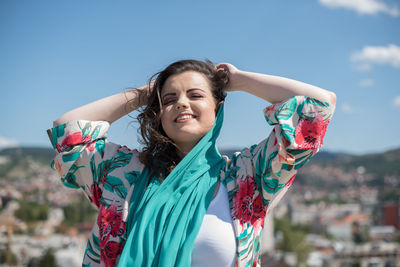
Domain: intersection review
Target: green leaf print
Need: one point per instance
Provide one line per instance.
(263, 165)
(315, 102)
(100, 144)
(70, 181)
(298, 166)
(102, 169)
(114, 184)
(93, 166)
(55, 133)
(70, 157)
(86, 129)
(287, 110)
(287, 167)
(132, 177)
(120, 160)
(288, 132)
(270, 185)
(96, 131)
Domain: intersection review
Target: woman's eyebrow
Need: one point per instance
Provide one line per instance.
(188, 91)
(192, 89)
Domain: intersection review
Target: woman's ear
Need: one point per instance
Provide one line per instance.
(218, 105)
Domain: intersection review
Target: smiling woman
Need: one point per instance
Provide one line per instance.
(186, 86)
(187, 114)
(178, 202)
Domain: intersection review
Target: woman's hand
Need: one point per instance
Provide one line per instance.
(233, 73)
(143, 94)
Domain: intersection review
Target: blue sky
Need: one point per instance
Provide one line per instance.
(58, 55)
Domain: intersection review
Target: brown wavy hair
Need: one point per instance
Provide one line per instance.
(160, 153)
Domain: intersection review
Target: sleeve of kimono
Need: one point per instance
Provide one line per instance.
(299, 125)
(266, 170)
(84, 157)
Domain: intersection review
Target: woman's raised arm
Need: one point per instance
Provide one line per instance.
(274, 89)
(110, 108)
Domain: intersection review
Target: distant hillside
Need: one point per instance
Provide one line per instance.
(378, 164)
(14, 162)
(41, 154)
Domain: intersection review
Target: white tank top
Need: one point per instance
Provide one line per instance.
(215, 244)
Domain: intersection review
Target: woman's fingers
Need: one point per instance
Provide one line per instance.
(226, 66)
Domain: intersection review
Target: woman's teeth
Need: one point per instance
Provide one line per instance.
(184, 117)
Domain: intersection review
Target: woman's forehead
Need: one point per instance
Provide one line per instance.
(185, 81)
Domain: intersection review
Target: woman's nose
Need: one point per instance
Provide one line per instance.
(181, 104)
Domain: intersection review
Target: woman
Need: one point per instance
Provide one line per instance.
(178, 202)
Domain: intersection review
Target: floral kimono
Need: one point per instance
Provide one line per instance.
(256, 178)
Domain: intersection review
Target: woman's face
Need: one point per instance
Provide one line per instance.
(188, 108)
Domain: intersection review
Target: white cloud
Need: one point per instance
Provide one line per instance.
(346, 108)
(396, 102)
(364, 7)
(389, 55)
(6, 142)
(366, 83)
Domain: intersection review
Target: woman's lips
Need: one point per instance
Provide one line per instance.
(184, 117)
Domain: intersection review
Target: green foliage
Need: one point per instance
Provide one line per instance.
(7, 257)
(48, 259)
(79, 212)
(328, 236)
(293, 238)
(397, 238)
(32, 211)
(361, 235)
(390, 195)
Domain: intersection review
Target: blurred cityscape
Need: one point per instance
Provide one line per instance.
(342, 210)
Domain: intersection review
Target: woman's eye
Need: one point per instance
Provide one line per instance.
(197, 96)
(168, 101)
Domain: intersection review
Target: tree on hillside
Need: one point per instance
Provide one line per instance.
(79, 212)
(293, 239)
(48, 259)
(32, 211)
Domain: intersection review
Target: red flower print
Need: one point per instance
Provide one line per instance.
(248, 208)
(73, 139)
(103, 178)
(90, 146)
(110, 252)
(270, 108)
(110, 222)
(124, 149)
(310, 133)
(95, 194)
(270, 111)
(289, 183)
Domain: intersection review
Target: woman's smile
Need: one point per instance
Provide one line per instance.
(184, 117)
(188, 108)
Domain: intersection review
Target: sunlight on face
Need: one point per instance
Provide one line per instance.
(188, 108)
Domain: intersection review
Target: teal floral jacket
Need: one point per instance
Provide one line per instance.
(256, 177)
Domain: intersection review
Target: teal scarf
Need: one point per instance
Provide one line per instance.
(165, 218)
